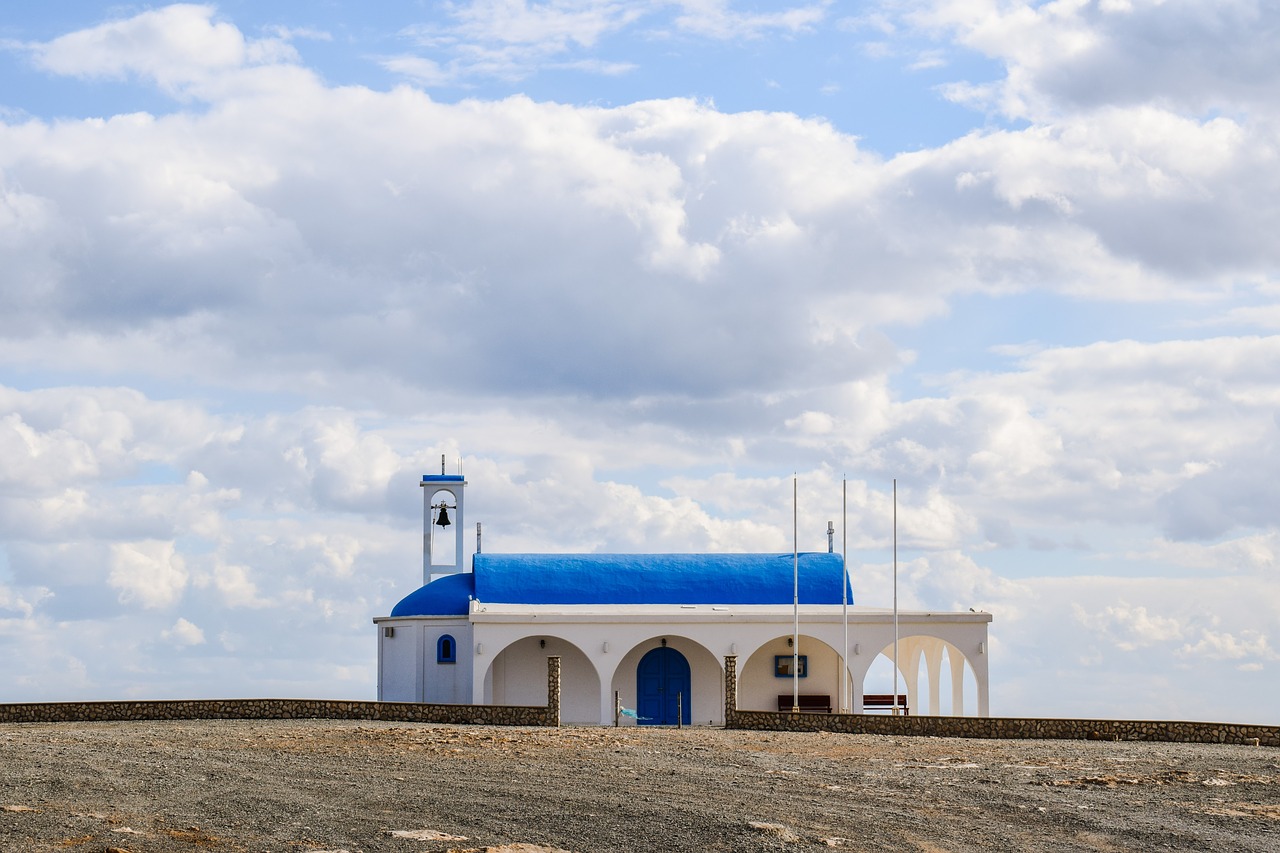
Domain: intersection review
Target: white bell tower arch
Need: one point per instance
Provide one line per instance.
(442, 496)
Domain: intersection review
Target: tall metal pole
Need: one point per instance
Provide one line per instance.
(844, 593)
(795, 587)
(895, 596)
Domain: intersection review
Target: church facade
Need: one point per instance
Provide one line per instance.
(649, 633)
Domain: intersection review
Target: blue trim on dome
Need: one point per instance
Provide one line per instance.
(656, 578)
(447, 596)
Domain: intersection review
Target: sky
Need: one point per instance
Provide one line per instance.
(636, 264)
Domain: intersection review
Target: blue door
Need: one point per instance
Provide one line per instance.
(661, 679)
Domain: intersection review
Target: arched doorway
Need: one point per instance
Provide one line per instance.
(663, 685)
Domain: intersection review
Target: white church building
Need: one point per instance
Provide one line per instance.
(649, 632)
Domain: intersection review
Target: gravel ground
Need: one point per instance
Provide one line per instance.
(360, 786)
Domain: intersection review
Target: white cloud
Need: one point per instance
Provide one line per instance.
(1223, 645)
(1194, 56)
(23, 603)
(151, 573)
(419, 69)
(1109, 431)
(175, 46)
(1131, 627)
(184, 633)
(366, 214)
(236, 585)
(1255, 553)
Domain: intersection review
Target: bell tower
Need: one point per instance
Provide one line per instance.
(442, 552)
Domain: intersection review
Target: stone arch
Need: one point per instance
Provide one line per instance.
(517, 675)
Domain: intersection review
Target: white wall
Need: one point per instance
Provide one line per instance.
(408, 671)
(449, 683)
(400, 664)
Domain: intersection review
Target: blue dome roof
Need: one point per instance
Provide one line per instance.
(656, 578)
(629, 579)
(446, 596)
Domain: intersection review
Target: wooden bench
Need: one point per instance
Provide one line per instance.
(809, 703)
(884, 700)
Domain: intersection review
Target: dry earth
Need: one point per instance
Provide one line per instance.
(359, 786)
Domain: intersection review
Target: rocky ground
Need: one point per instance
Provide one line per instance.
(360, 786)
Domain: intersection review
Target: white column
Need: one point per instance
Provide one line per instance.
(933, 665)
(606, 664)
(977, 652)
(957, 682)
(911, 672)
(482, 655)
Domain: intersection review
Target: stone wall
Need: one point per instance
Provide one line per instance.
(989, 727)
(293, 709)
(553, 692)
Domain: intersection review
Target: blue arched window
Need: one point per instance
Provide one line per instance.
(446, 650)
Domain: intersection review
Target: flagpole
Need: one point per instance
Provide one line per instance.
(795, 589)
(844, 592)
(895, 596)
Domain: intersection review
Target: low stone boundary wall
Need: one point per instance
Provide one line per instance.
(1170, 731)
(277, 709)
(293, 709)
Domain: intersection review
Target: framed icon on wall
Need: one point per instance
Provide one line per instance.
(782, 666)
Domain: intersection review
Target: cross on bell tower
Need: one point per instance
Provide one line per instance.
(442, 510)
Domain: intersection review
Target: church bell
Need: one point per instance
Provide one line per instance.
(443, 519)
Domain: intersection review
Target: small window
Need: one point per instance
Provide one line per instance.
(782, 666)
(446, 650)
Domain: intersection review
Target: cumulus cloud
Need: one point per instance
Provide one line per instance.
(1180, 431)
(151, 573)
(236, 584)
(1251, 553)
(733, 231)
(1223, 645)
(174, 46)
(1132, 627)
(21, 603)
(737, 235)
(184, 633)
(1195, 56)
